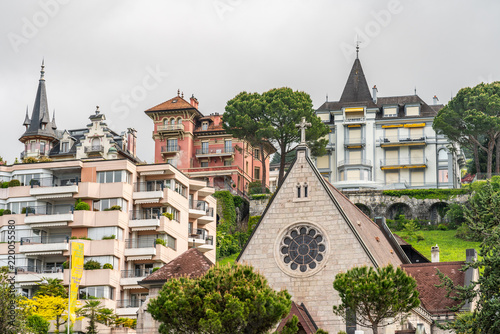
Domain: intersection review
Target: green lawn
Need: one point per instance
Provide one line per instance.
(228, 259)
(450, 248)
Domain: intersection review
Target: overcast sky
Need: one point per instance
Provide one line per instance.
(127, 56)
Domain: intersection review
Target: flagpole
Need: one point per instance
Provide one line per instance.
(69, 289)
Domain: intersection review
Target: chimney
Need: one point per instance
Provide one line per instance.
(435, 100)
(375, 90)
(471, 274)
(194, 101)
(435, 254)
(132, 141)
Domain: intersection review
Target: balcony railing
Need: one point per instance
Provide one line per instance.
(141, 242)
(53, 182)
(354, 162)
(209, 240)
(354, 120)
(402, 139)
(170, 127)
(49, 209)
(221, 150)
(54, 239)
(355, 141)
(170, 148)
(198, 205)
(403, 162)
(37, 270)
(149, 186)
(210, 212)
(94, 148)
(137, 273)
(151, 213)
(125, 303)
(200, 234)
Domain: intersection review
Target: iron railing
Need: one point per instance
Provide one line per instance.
(149, 213)
(124, 303)
(354, 162)
(145, 242)
(354, 120)
(403, 161)
(209, 240)
(170, 127)
(53, 239)
(402, 139)
(158, 185)
(37, 270)
(53, 182)
(198, 205)
(137, 273)
(94, 148)
(220, 150)
(49, 209)
(170, 148)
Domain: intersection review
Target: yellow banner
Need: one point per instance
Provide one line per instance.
(76, 276)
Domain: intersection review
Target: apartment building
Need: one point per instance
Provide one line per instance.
(199, 146)
(385, 142)
(141, 217)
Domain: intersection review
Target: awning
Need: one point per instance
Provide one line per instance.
(146, 201)
(139, 258)
(153, 172)
(354, 109)
(28, 283)
(145, 228)
(415, 125)
(131, 287)
(63, 195)
(49, 224)
(44, 253)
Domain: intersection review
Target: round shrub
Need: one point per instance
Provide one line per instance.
(91, 265)
(107, 266)
(5, 184)
(160, 241)
(14, 183)
(80, 205)
(155, 269)
(442, 227)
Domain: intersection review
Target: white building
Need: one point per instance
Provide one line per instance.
(385, 142)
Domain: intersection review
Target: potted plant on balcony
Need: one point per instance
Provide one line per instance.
(91, 265)
(107, 266)
(80, 205)
(168, 215)
(160, 241)
(114, 207)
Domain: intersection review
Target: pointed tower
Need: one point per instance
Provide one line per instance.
(40, 133)
(356, 89)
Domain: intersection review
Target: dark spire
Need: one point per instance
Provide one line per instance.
(27, 121)
(54, 126)
(40, 119)
(356, 89)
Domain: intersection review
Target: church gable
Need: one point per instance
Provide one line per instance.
(307, 235)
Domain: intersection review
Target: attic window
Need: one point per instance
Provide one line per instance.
(64, 147)
(390, 112)
(204, 126)
(174, 101)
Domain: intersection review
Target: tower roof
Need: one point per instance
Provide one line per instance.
(356, 88)
(40, 124)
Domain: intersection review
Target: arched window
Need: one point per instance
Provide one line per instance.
(179, 121)
(443, 155)
(172, 121)
(165, 121)
(298, 190)
(306, 190)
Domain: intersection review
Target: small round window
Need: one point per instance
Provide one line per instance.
(302, 248)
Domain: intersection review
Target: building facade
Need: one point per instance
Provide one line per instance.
(385, 142)
(199, 146)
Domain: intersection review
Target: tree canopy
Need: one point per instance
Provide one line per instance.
(226, 299)
(272, 116)
(375, 295)
(471, 119)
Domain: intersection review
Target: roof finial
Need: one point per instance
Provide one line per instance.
(303, 125)
(326, 97)
(42, 72)
(415, 90)
(357, 47)
(178, 92)
(182, 95)
(97, 110)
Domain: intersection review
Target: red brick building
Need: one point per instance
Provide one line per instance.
(199, 146)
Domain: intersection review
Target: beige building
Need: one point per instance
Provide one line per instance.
(140, 217)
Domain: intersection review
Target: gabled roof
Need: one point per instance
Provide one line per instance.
(192, 263)
(370, 236)
(356, 88)
(306, 322)
(433, 298)
(174, 104)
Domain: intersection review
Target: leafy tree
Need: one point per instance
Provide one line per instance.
(272, 116)
(471, 116)
(483, 218)
(291, 326)
(51, 287)
(411, 228)
(375, 295)
(48, 307)
(9, 324)
(92, 310)
(226, 299)
(38, 324)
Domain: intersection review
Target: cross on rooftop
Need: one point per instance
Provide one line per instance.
(303, 125)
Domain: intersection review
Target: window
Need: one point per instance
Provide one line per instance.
(190, 228)
(171, 242)
(65, 147)
(323, 162)
(172, 121)
(172, 145)
(246, 167)
(354, 136)
(96, 142)
(228, 146)
(256, 173)
(391, 135)
(180, 188)
(114, 261)
(173, 162)
(204, 164)
(306, 193)
(443, 155)
(204, 126)
(165, 121)
(391, 157)
(256, 154)
(204, 147)
(227, 162)
(175, 213)
(417, 156)
(416, 133)
(355, 156)
(353, 175)
(91, 292)
(113, 176)
(412, 110)
(179, 121)
(417, 178)
(390, 112)
(299, 188)
(17, 207)
(106, 204)
(443, 175)
(25, 179)
(391, 177)
(98, 233)
(42, 147)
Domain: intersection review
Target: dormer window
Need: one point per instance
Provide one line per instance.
(204, 126)
(390, 111)
(64, 147)
(412, 110)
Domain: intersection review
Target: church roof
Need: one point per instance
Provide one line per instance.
(306, 323)
(174, 104)
(192, 263)
(371, 237)
(40, 124)
(434, 299)
(356, 88)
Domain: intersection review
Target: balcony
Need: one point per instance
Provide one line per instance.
(197, 208)
(363, 162)
(354, 142)
(52, 188)
(199, 238)
(170, 128)
(140, 248)
(131, 277)
(214, 152)
(148, 192)
(43, 245)
(31, 274)
(403, 163)
(49, 216)
(94, 149)
(144, 220)
(208, 245)
(396, 141)
(208, 217)
(170, 149)
(128, 307)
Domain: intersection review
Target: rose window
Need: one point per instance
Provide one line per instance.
(302, 248)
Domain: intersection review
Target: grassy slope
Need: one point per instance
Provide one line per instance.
(450, 248)
(228, 259)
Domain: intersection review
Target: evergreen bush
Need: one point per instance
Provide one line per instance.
(107, 266)
(91, 265)
(14, 183)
